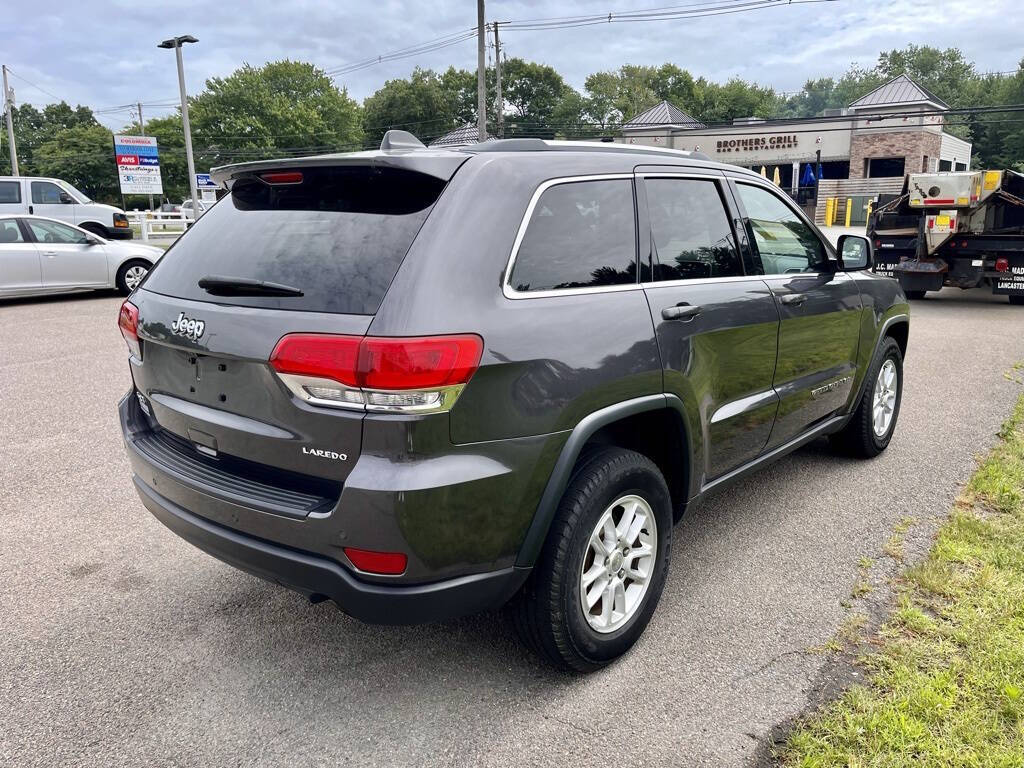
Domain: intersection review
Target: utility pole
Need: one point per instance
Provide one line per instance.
(142, 132)
(175, 43)
(499, 105)
(481, 73)
(8, 108)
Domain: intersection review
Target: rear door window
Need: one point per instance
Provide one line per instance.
(581, 234)
(10, 232)
(691, 231)
(10, 192)
(338, 236)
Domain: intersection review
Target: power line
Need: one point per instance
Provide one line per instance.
(37, 87)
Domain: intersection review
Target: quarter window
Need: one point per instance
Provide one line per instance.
(44, 192)
(581, 234)
(10, 192)
(10, 232)
(55, 232)
(691, 231)
(785, 244)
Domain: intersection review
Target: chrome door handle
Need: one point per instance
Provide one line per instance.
(51, 254)
(680, 312)
(796, 299)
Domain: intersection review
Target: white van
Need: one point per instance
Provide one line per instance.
(59, 200)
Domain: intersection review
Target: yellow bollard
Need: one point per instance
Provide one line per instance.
(830, 211)
(849, 209)
(871, 204)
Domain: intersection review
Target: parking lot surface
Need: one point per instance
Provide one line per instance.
(123, 645)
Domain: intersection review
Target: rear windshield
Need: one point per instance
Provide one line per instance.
(339, 236)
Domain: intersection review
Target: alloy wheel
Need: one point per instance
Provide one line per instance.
(619, 563)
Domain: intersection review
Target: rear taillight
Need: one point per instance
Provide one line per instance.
(1002, 264)
(384, 563)
(128, 322)
(411, 374)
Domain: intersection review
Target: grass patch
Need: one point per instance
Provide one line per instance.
(947, 683)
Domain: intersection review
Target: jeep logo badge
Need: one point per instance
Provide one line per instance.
(190, 328)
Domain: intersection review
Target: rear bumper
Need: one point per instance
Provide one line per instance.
(317, 576)
(192, 511)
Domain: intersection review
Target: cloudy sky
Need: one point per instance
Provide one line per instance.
(104, 53)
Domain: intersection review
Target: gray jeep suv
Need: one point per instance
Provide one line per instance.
(422, 383)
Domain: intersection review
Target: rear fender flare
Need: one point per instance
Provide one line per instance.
(562, 472)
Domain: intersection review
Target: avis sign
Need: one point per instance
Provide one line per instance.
(138, 165)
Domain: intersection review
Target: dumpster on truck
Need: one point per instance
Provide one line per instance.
(962, 229)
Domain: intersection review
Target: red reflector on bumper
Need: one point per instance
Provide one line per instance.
(386, 563)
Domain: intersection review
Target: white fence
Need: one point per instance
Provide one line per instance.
(158, 225)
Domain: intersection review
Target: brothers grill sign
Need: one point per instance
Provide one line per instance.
(755, 143)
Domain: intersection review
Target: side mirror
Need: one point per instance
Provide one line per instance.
(66, 198)
(90, 240)
(855, 253)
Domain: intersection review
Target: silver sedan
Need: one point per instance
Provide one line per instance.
(40, 256)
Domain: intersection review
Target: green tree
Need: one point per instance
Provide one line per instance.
(33, 127)
(82, 155)
(426, 104)
(282, 108)
(533, 91)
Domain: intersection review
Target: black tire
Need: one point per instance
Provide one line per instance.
(858, 437)
(96, 229)
(122, 286)
(1016, 300)
(547, 613)
(915, 295)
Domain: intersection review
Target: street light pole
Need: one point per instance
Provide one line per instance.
(176, 43)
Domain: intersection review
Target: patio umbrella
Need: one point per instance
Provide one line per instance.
(807, 180)
(764, 172)
(776, 177)
(819, 173)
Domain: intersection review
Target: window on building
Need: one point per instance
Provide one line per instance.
(10, 192)
(691, 231)
(883, 167)
(961, 167)
(924, 164)
(581, 234)
(785, 244)
(945, 165)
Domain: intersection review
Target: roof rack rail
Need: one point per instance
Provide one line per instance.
(544, 145)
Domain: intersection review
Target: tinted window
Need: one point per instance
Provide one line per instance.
(580, 234)
(9, 232)
(691, 231)
(784, 242)
(339, 237)
(10, 192)
(45, 192)
(55, 232)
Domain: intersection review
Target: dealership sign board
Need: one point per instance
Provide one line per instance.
(138, 165)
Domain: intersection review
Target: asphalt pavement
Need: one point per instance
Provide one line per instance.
(122, 645)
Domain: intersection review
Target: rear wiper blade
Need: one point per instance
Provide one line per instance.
(219, 285)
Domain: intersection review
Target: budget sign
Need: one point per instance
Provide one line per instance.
(138, 165)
